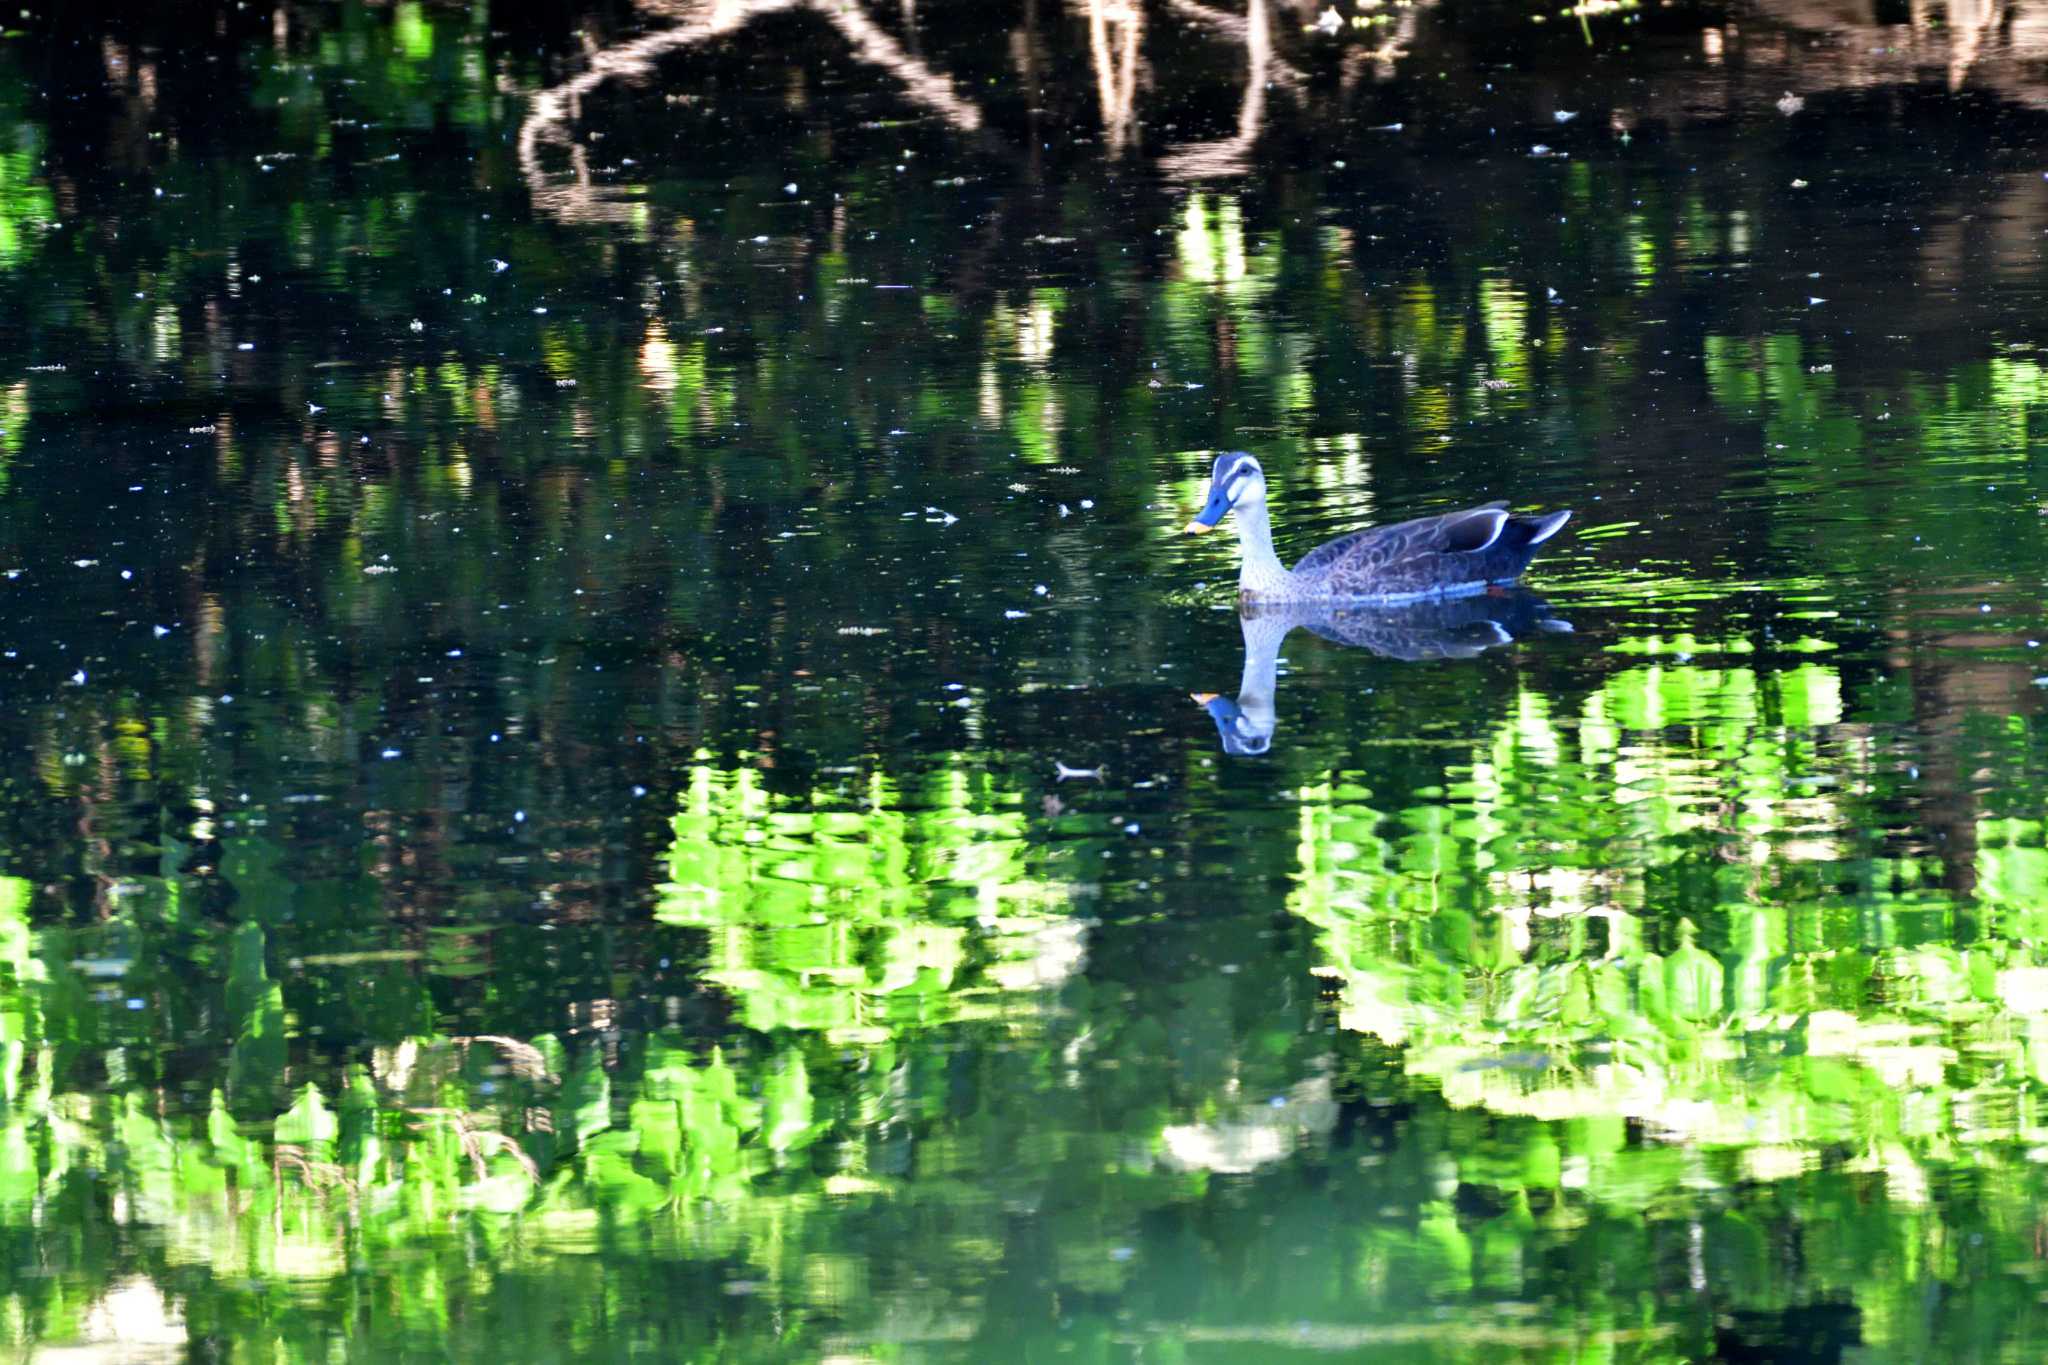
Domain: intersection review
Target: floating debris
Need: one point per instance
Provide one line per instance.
(1790, 104)
(1064, 772)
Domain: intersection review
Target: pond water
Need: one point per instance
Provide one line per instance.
(558, 572)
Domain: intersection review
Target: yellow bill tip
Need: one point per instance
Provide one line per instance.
(1196, 528)
(1201, 698)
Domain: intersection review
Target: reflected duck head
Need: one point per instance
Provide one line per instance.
(1236, 478)
(1242, 735)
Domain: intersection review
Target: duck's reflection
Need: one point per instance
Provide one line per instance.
(1443, 628)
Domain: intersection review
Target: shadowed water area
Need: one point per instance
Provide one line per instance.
(555, 574)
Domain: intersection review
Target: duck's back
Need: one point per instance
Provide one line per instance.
(1456, 552)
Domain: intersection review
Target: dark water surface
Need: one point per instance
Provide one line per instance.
(551, 566)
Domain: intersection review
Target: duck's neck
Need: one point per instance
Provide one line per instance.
(1261, 574)
(1263, 632)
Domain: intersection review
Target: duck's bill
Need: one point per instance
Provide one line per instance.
(1213, 511)
(1201, 698)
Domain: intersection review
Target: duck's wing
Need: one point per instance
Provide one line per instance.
(1436, 628)
(1383, 558)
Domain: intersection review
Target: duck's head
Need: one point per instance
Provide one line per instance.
(1236, 479)
(1243, 735)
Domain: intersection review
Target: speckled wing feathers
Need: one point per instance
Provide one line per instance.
(1457, 551)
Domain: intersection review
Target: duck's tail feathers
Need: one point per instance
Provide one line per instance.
(1543, 528)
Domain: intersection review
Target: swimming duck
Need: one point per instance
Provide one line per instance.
(1461, 627)
(1458, 552)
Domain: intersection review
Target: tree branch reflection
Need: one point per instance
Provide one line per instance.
(702, 21)
(1114, 30)
(1231, 156)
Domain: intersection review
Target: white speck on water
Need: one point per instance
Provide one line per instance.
(393, 753)
(790, 188)
(518, 817)
(1565, 115)
(1015, 615)
(418, 326)
(161, 631)
(1042, 590)
(246, 346)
